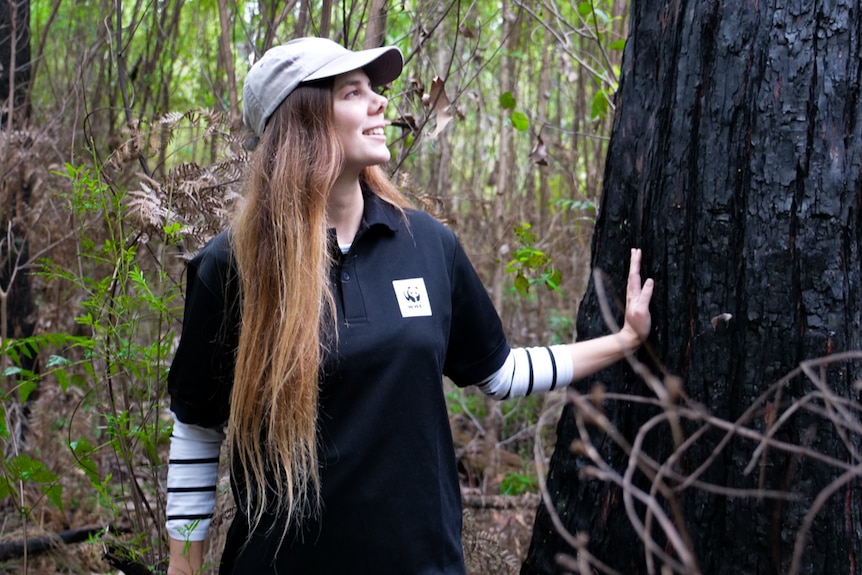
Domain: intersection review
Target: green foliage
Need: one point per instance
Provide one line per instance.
(467, 402)
(519, 120)
(22, 469)
(585, 208)
(118, 365)
(560, 326)
(592, 14)
(507, 101)
(518, 483)
(601, 103)
(530, 265)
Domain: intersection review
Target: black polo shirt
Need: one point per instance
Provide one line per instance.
(410, 309)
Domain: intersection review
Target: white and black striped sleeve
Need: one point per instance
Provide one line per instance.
(192, 479)
(532, 370)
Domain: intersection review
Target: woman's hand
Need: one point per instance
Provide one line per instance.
(638, 321)
(589, 356)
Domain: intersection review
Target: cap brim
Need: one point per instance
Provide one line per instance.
(382, 65)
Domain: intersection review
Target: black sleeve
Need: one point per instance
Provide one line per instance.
(201, 373)
(477, 343)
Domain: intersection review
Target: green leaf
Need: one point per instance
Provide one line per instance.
(12, 370)
(599, 107)
(522, 284)
(62, 380)
(82, 449)
(554, 280)
(25, 468)
(520, 121)
(85, 319)
(523, 233)
(585, 9)
(172, 229)
(4, 434)
(6, 488)
(618, 45)
(536, 260)
(507, 101)
(25, 389)
(517, 483)
(28, 350)
(602, 16)
(13, 354)
(54, 493)
(57, 361)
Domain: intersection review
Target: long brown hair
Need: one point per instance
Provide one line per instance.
(288, 312)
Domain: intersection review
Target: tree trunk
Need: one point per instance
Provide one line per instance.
(14, 59)
(325, 18)
(736, 163)
(16, 175)
(225, 51)
(375, 31)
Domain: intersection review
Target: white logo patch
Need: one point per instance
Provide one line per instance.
(412, 297)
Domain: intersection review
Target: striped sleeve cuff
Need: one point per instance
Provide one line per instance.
(528, 371)
(192, 479)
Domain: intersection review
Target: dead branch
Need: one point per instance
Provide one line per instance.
(34, 545)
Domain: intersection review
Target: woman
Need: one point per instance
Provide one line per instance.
(320, 327)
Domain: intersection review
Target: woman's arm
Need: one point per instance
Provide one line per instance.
(192, 479)
(187, 557)
(533, 370)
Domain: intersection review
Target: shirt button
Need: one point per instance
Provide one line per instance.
(345, 276)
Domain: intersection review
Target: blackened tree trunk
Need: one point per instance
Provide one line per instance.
(17, 174)
(14, 58)
(736, 163)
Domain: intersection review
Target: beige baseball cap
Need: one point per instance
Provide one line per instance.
(282, 68)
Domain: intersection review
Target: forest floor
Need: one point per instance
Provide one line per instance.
(496, 539)
(496, 535)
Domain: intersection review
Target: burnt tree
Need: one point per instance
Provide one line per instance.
(18, 174)
(14, 58)
(736, 163)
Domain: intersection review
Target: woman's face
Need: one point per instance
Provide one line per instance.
(358, 116)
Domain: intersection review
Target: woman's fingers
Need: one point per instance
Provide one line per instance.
(638, 297)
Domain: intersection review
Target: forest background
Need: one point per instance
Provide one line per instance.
(121, 152)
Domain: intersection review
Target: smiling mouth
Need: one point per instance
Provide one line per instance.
(374, 132)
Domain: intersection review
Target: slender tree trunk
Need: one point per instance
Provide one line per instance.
(301, 28)
(375, 31)
(503, 201)
(736, 163)
(226, 56)
(325, 18)
(540, 180)
(502, 174)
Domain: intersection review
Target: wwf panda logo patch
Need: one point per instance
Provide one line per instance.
(412, 297)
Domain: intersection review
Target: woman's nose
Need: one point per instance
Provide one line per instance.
(379, 103)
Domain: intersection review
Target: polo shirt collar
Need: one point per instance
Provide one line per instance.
(378, 212)
(377, 215)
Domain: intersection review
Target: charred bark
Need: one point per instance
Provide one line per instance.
(14, 58)
(736, 163)
(16, 294)
(16, 173)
